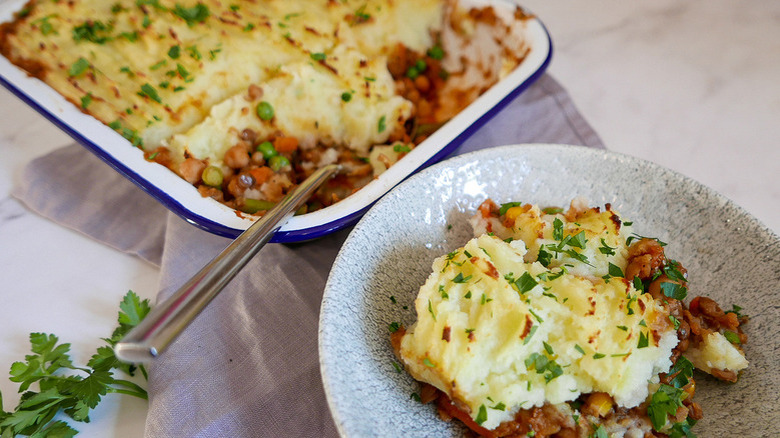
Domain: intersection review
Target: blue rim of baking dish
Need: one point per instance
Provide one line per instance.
(280, 236)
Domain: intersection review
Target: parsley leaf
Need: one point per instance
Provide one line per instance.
(150, 92)
(525, 283)
(674, 290)
(64, 387)
(460, 278)
(80, 66)
(664, 402)
(606, 249)
(196, 14)
(481, 415)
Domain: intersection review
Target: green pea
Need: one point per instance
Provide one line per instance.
(265, 111)
(277, 162)
(252, 206)
(267, 149)
(212, 176)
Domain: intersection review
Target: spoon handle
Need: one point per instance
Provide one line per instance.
(167, 319)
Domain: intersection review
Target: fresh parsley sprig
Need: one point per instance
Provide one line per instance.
(65, 387)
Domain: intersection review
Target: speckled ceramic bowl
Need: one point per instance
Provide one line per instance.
(730, 256)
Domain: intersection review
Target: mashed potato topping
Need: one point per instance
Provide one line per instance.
(495, 330)
(553, 321)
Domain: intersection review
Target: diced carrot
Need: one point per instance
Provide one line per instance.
(285, 144)
(261, 174)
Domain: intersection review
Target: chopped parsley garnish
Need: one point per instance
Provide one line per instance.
(598, 355)
(548, 348)
(397, 367)
(682, 370)
(460, 279)
(600, 432)
(430, 309)
(77, 68)
(673, 272)
(249, 27)
(415, 396)
(380, 126)
(615, 271)
(196, 14)
(129, 36)
(154, 3)
(631, 299)
(427, 362)
(606, 249)
(683, 429)
(664, 402)
(635, 236)
(558, 229)
(361, 16)
(150, 92)
(578, 348)
(674, 290)
(538, 318)
(194, 53)
(638, 285)
(525, 283)
(174, 52)
(443, 293)
(643, 341)
(530, 334)
(674, 321)
(93, 31)
(731, 337)
(622, 327)
(393, 300)
(544, 365)
(481, 415)
(44, 25)
(402, 148)
(346, 96)
(394, 326)
(86, 100)
(468, 295)
(500, 406)
(579, 240)
(735, 310)
(158, 65)
(318, 56)
(544, 257)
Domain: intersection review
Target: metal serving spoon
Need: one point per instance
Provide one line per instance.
(167, 319)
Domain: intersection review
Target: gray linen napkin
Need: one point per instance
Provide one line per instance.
(248, 364)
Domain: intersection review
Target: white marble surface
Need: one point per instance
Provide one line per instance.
(690, 85)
